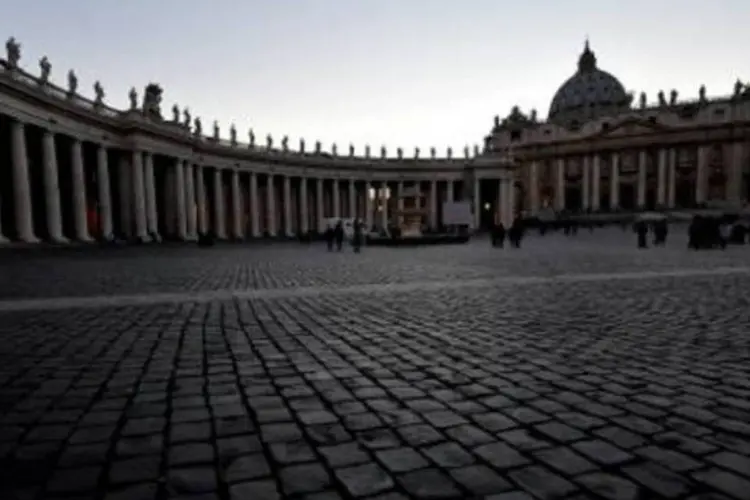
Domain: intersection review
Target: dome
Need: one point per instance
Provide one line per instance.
(590, 93)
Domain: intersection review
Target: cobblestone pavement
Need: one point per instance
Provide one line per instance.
(578, 368)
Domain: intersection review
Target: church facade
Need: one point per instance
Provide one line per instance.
(72, 168)
(600, 151)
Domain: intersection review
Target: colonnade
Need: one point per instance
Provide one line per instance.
(666, 178)
(193, 199)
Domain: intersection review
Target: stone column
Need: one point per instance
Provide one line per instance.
(400, 202)
(352, 199)
(287, 201)
(319, 215)
(21, 186)
(139, 197)
(52, 189)
(642, 179)
(384, 200)
(585, 192)
(499, 217)
(150, 185)
(190, 206)
(672, 182)
(79, 192)
(477, 203)
(105, 198)
(368, 206)
(304, 212)
(254, 206)
(534, 187)
(125, 175)
(336, 198)
(661, 178)
(614, 182)
(596, 173)
(734, 177)
(220, 222)
(270, 206)
(450, 194)
(433, 204)
(201, 200)
(179, 189)
(560, 189)
(237, 230)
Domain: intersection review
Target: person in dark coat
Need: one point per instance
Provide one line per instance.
(641, 229)
(516, 233)
(338, 235)
(357, 237)
(328, 236)
(498, 235)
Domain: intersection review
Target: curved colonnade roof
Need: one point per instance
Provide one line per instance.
(148, 113)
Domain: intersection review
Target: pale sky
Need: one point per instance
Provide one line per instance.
(395, 72)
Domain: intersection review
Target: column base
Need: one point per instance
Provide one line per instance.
(4, 240)
(31, 239)
(59, 240)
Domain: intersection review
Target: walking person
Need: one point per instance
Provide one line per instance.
(338, 235)
(357, 237)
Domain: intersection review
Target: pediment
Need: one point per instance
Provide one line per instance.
(629, 127)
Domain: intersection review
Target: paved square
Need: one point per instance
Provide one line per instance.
(573, 368)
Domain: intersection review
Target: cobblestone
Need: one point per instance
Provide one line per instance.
(572, 367)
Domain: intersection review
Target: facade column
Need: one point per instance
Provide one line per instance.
(384, 200)
(270, 206)
(219, 205)
(139, 197)
(287, 201)
(336, 199)
(52, 189)
(560, 189)
(191, 212)
(237, 229)
(319, 215)
(477, 203)
(105, 198)
(596, 174)
(304, 226)
(150, 185)
(499, 217)
(433, 204)
(450, 194)
(614, 182)
(734, 177)
(586, 192)
(21, 186)
(672, 178)
(661, 178)
(179, 190)
(642, 158)
(534, 186)
(701, 175)
(254, 206)
(368, 206)
(201, 200)
(352, 199)
(79, 192)
(400, 202)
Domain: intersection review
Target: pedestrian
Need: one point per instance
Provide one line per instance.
(641, 228)
(357, 237)
(338, 235)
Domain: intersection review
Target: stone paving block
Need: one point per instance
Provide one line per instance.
(724, 481)
(602, 452)
(429, 483)
(610, 486)
(480, 480)
(542, 482)
(364, 480)
(401, 459)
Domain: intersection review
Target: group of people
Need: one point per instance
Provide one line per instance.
(514, 234)
(712, 232)
(335, 235)
(659, 227)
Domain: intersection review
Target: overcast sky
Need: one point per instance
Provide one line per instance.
(396, 72)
